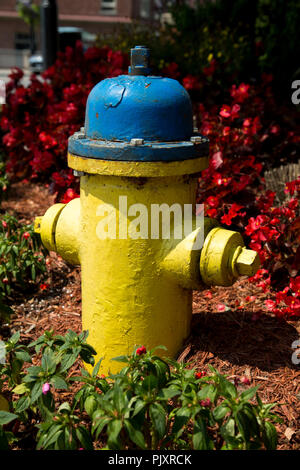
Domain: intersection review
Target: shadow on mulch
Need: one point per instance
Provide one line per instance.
(236, 338)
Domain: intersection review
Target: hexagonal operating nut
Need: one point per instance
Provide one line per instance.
(247, 262)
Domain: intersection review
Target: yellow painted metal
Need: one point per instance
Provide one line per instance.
(137, 168)
(127, 299)
(4, 405)
(138, 290)
(67, 234)
(46, 226)
(224, 258)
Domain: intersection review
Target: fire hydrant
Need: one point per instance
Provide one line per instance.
(139, 160)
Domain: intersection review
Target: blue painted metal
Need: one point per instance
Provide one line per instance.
(149, 151)
(138, 106)
(133, 106)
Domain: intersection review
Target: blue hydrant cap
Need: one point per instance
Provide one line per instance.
(139, 105)
(154, 110)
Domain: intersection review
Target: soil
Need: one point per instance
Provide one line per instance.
(240, 342)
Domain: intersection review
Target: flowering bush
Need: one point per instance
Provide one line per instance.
(4, 181)
(38, 120)
(151, 404)
(22, 260)
(233, 188)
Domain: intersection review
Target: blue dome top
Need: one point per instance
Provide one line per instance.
(138, 117)
(137, 106)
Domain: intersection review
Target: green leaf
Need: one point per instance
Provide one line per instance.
(135, 435)
(113, 430)
(269, 436)
(182, 416)
(99, 422)
(139, 406)
(119, 398)
(227, 388)
(248, 394)
(243, 424)
(36, 391)
(158, 418)
(150, 383)
(20, 389)
(23, 356)
(90, 405)
(96, 368)
(15, 337)
(59, 382)
(64, 408)
(68, 360)
(168, 393)
(228, 429)
(121, 359)
(22, 404)
(49, 361)
(201, 440)
(6, 417)
(221, 411)
(84, 438)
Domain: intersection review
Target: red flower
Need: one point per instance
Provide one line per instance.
(198, 375)
(241, 93)
(210, 69)
(141, 350)
(227, 111)
(190, 82)
(26, 235)
(206, 402)
(295, 285)
(44, 286)
(69, 195)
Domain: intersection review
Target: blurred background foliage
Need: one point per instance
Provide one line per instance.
(222, 42)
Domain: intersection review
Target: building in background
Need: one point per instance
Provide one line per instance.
(92, 16)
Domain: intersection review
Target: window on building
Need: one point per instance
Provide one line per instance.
(145, 9)
(22, 41)
(108, 7)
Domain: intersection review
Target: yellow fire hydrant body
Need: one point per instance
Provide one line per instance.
(141, 253)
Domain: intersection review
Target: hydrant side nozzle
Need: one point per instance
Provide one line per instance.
(224, 258)
(46, 226)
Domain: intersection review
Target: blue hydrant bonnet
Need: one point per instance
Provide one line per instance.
(138, 117)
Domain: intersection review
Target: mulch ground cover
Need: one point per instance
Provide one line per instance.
(238, 342)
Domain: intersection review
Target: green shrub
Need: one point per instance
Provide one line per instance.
(153, 403)
(4, 181)
(22, 260)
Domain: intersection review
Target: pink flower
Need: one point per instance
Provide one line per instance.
(245, 380)
(46, 388)
(206, 402)
(221, 307)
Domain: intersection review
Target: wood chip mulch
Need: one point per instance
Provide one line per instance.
(243, 341)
